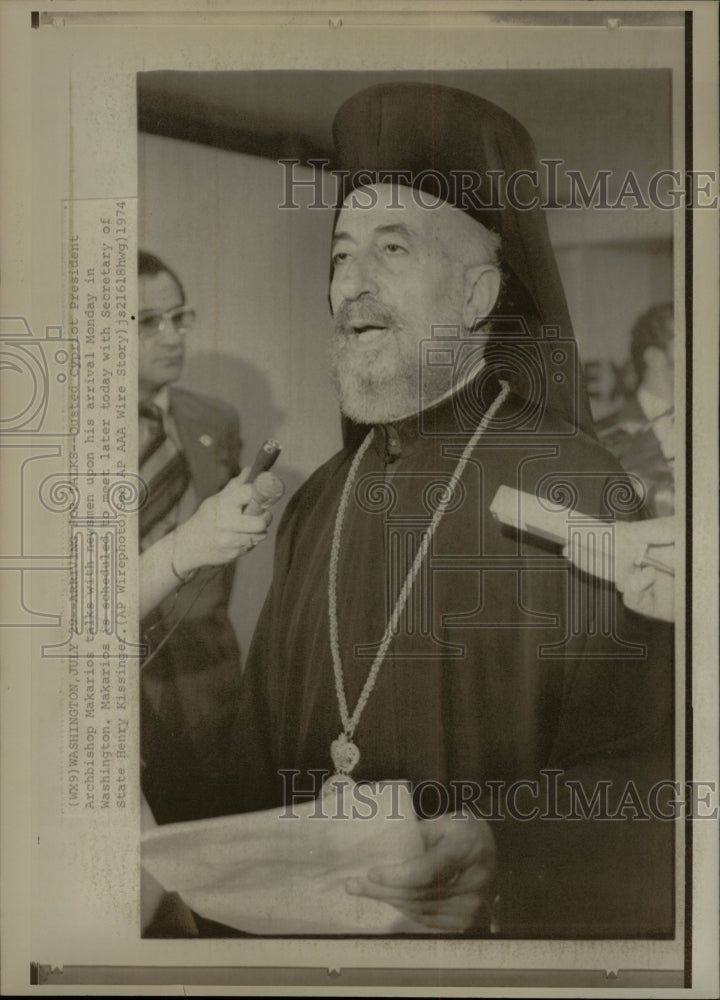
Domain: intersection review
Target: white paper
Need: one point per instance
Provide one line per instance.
(283, 871)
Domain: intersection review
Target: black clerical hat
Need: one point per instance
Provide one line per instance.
(454, 145)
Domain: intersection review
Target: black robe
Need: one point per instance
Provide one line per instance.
(507, 663)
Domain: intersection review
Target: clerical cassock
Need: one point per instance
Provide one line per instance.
(505, 670)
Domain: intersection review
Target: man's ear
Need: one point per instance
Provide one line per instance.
(482, 287)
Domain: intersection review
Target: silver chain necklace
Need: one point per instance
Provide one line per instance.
(344, 752)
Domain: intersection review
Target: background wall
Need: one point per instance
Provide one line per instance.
(258, 279)
(608, 285)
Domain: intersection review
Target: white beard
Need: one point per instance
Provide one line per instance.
(375, 388)
(367, 398)
(391, 379)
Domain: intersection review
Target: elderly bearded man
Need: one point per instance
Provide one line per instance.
(407, 635)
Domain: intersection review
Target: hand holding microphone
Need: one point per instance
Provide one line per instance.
(233, 521)
(641, 563)
(266, 491)
(223, 527)
(266, 487)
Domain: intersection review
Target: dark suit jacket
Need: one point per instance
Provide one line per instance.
(190, 688)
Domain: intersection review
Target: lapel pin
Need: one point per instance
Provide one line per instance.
(206, 440)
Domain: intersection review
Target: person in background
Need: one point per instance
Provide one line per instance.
(189, 447)
(641, 434)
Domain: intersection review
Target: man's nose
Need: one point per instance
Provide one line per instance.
(358, 277)
(167, 331)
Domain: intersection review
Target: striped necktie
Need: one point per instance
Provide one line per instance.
(153, 415)
(168, 484)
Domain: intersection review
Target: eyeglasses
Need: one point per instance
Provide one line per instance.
(151, 321)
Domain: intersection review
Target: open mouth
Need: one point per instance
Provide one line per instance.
(366, 332)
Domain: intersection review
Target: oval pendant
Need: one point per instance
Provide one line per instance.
(344, 753)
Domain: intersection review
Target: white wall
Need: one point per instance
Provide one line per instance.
(608, 286)
(258, 279)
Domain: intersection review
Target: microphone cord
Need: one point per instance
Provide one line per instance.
(209, 572)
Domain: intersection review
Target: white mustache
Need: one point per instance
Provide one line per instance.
(366, 313)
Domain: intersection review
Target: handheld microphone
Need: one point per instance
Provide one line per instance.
(267, 490)
(265, 458)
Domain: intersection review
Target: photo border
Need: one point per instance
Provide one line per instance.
(46, 974)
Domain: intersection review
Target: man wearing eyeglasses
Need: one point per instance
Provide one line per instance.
(188, 448)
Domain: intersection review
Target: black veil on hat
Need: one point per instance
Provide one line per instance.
(455, 145)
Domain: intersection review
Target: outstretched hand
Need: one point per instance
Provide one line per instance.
(448, 886)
